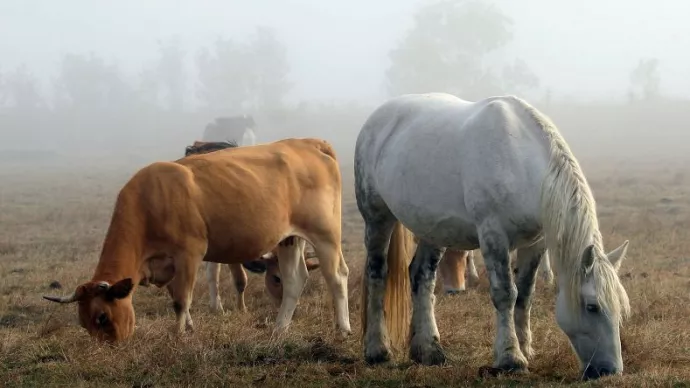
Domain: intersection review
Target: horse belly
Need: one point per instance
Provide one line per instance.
(452, 233)
(434, 215)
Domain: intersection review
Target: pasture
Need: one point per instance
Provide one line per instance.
(53, 220)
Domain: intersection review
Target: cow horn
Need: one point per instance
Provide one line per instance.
(62, 299)
(103, 286)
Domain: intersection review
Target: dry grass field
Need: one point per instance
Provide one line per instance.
(52, 221)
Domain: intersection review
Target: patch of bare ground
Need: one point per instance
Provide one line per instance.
(52, 224)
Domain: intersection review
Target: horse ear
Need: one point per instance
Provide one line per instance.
(311, 264)
(617, 255)
(588, 257)
(120, 290)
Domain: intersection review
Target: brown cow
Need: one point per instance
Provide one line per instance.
(223, 207)
(453, 267)
(239, 276)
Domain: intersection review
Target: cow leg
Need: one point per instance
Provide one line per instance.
(452, 271)
(213, 278)
(239, 277)
(181, 288)
(472, 275)
(335, 272)
(294, 275)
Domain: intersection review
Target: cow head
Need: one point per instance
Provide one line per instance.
(105, 310)
(268, 264)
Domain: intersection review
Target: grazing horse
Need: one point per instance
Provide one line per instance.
(495, 175)
(239, 129)
(272, 273)
(223, 207)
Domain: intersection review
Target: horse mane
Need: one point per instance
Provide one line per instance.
(570, 224)
(205, 147)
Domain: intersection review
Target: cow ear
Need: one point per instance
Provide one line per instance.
(120, 290)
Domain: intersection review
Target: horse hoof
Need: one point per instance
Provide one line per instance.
(379, 356)
(344, 334)
(427, 354)
(454, 292)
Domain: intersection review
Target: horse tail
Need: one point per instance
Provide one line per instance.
(397, 300)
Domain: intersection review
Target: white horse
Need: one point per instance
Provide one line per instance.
(495, 175)
(238, 130)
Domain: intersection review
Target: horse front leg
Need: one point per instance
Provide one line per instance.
(425, 346)
(495, 249)
(528, 260)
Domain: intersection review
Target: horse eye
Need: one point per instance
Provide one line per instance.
(102, 319)
(276, 279)
(592, 308)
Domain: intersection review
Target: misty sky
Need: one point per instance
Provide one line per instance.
(338, 50)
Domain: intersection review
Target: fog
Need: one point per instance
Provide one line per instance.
(140, 80)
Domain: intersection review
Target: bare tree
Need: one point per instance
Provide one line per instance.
(645, 80)
(224, 76)
(171, 73)
(236, 76)
(20, 91)
(270, 70)
(87, 83)
(446, 51)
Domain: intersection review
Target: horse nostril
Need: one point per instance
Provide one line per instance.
(276, 279)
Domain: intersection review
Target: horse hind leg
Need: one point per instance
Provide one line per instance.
(385, 281)
(239, 277)
(425, 346)
(213, 278)
(495, 249)
(293, 270)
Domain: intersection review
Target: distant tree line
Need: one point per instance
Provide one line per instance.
(455, 46)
